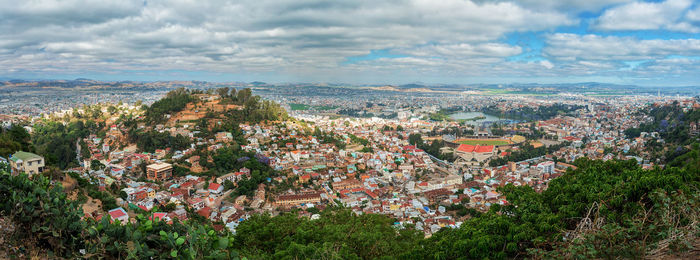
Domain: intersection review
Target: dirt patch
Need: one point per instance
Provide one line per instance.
(355, 147)
(6, 230)
(91, 206)
(195, 111)
(68, 183)
(548, 142)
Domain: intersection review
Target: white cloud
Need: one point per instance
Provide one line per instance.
(464, 50)
(693, 15)
(253, 35)
(566, 5)
(546, 64)
(569, 47)
(310, 39)
(647, 16)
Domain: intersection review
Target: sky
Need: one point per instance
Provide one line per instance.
(646, 43)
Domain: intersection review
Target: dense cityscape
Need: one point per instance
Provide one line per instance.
(428, 161)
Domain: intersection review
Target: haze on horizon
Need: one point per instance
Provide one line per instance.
(652, 43)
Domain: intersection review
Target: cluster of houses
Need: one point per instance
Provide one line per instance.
(385, 176)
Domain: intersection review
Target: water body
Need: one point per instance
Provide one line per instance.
(483, 118)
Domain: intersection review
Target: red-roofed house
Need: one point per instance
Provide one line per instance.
(205, 212)
(216, 188)
(304, 178)
(571, 138)
(196, 203)
(158, 216)
(119, 214)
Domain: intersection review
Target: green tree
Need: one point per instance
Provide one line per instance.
(223, 92)
(415, 139)
(96, 165)
(338, 234)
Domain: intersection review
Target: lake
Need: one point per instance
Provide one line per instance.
(470, 115)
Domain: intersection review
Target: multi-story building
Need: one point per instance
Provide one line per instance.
(159, 171)
(26, 162)
(297, 199)
(347, 184)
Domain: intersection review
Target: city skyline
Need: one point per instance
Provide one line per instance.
(646, 43)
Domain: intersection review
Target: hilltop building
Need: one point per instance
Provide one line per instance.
(26, 162)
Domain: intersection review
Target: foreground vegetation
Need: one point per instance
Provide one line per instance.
(45, 223)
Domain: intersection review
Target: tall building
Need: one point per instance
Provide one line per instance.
(159, 171)
(26, 162)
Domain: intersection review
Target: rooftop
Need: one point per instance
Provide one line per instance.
(475, 148)
(118, 212)
(20, 155)
(159, 166)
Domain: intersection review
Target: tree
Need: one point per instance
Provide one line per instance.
(169, 207)
(53, 173)
(174, 101)
(180, 142)
(223, 92)
(243, 95)
(632, 132)
(8, 146)
(96, 165)
(337, 234)
(415, 139)
(19, 135)
(228, 185)
(57, 142)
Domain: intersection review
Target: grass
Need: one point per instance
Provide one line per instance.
(606, 94)
(296, 106)
(483, 142)
(494, 91)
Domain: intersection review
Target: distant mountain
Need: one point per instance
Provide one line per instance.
(579, 87)
(258, 83)
(412, 85)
